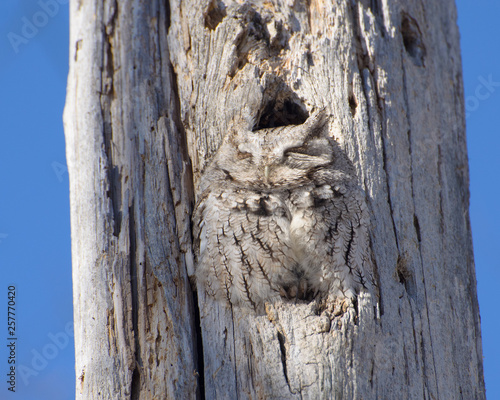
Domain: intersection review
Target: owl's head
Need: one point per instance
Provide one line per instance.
(272, 158)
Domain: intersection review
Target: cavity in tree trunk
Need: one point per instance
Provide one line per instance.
(154, 87)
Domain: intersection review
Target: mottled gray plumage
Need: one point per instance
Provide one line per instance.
(281, 214)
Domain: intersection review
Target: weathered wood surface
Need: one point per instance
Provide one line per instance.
(130, 207)
(390, 75)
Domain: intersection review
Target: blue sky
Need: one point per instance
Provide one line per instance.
(480, 42)
(34, 208)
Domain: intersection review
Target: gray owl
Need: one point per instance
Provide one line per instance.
(281, 215)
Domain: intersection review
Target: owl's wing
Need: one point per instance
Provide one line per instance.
(332, 222)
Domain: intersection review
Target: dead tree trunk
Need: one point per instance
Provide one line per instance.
(130, 207)
(152, 90)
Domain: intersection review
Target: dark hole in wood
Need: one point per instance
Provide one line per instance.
(215, 13)
(281, 113)
(412, 39)
(353, 104)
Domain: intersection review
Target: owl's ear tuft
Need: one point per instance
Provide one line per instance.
(317, 124)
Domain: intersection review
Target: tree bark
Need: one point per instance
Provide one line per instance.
(131, 200)
(153, 88)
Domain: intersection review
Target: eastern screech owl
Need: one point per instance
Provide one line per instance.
(281, 214)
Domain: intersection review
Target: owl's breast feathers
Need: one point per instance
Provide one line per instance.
(280, 211)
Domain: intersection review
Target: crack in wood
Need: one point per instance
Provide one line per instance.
(281, 340)
(199, 348)
(135, 385)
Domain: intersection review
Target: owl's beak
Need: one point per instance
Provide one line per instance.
(266, 173)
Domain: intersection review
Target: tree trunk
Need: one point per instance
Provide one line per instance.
(131, 201)
(153, 88)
